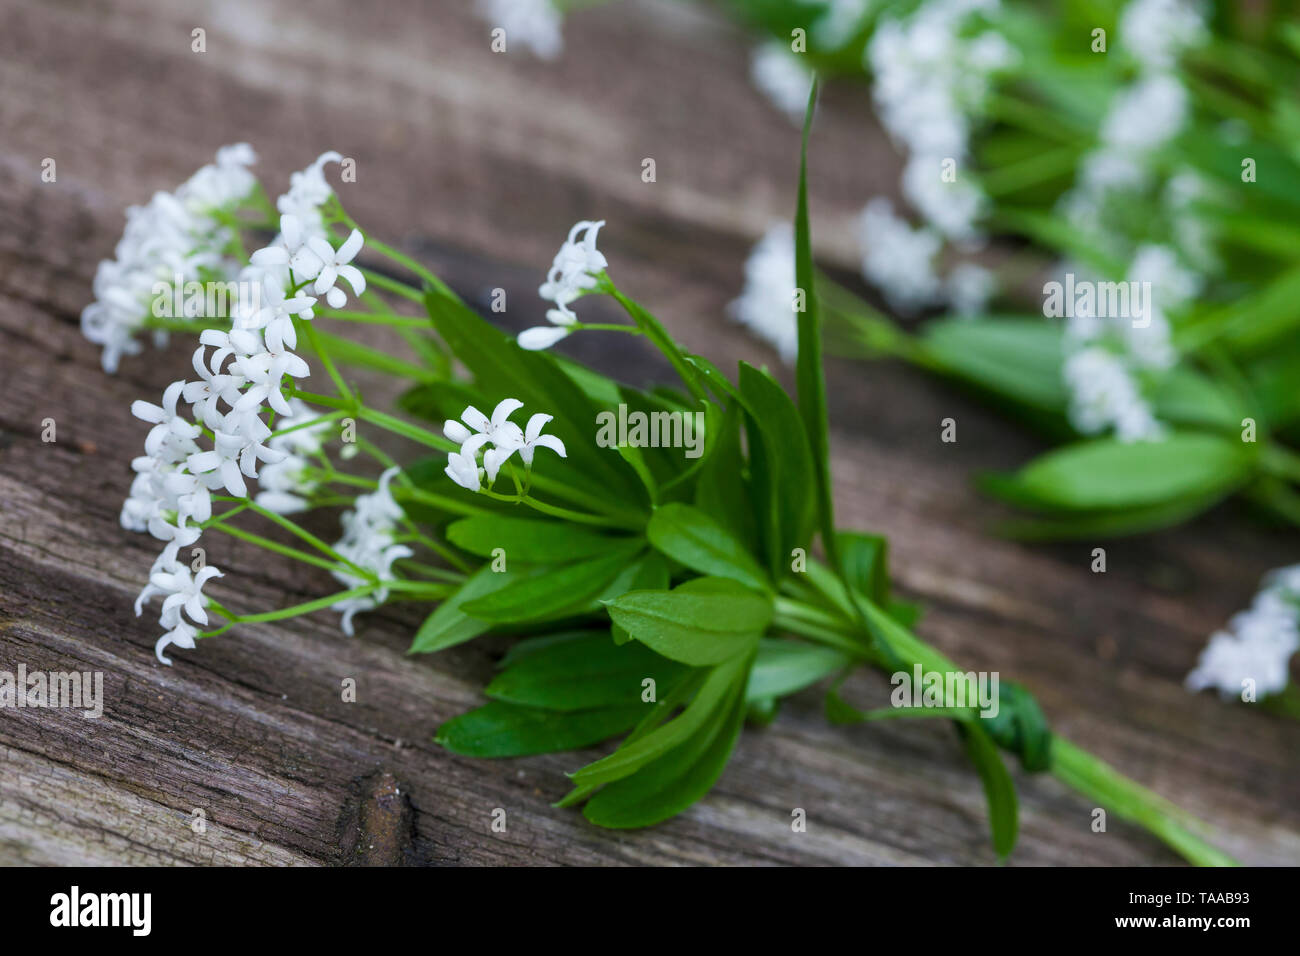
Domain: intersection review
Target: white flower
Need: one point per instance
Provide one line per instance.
(498, 429)
(838, 23)
(335, 265)
(575, 267)
(183, 591)
(168, 240)
(504, 437)
(1146, 115)
(928, 78)
(464, 471)
(766, 303)
(265, 373)
(308, 191)
(782, 77)
(1104, 394)
(969, 287)
(949, 206)
(182, 635)
(533, 23)
(1155, 32)
(541, 337)
(368, 533)
(533, 439)
(898, 259)
(1258, 643)
(286, 484)
(167, 423)
(572, 273)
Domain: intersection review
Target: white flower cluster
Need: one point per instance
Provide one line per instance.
(236, 382)
(174, 235)
(899, 260)
(766, 304)
(573, 272)
(286, 482)
(782, 77)
(533, 23)
(1257, 644)
(497, 438)
(930, 79)
(1105, 356)
(838, 22)
(1155, 32)
(369, 530)
(895, 258)
(1142, 117)
(1104, 394)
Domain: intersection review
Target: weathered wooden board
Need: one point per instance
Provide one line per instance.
(478, 163)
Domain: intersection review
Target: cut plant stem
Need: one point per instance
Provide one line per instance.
(1087, 774)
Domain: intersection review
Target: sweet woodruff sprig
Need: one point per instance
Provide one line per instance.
(664, 599)
(1158, 347)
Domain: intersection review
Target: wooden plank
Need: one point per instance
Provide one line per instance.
(478, 163)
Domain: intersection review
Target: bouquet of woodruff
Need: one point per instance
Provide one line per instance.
(663, 595)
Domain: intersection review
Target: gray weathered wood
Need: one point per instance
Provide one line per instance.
(478, 163)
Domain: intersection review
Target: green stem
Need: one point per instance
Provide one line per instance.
(557, 512)
(1077, 768)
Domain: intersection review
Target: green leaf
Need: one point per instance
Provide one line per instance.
(721, 490)
(718, 686)
(691, 537)
(673, 782)
(866, 563)
(1184, 396)
(670, 784)
(582, 671)
(809, 374)
(448, 625)
(704, 621)
(1017, 358)
(527, 540)
(781, 468)
(999, 791)
(783, 667)
(1083, 525)
(500, 729)
(1107, 473)
(555, 590)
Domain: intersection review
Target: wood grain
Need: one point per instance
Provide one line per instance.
(477, 163)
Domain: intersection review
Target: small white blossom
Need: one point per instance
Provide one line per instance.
(782, 77)
(969, 287)
(368, 533)
(1104, 394)
(497, 429)
(898, 259)
(170, 239)
(1155, 32)
(766, 304)
(532, 23)
(464, 470)
(541, 337)
(308, 191)
(572, 273)
(1257, 644)
(533, 439)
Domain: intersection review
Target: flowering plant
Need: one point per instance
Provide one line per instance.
(665, 598)
(1139, 159)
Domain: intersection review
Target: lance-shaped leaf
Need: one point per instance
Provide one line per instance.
(704, 621)
(691, 537)
(501, 729)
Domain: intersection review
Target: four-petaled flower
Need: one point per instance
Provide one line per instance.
(504, 437)
(335, 266)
